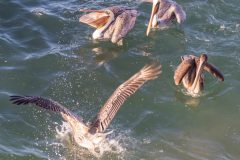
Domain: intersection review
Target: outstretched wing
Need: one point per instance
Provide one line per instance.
(179, 13)
(211, 69)
(182, 69)
(123, 24)
(43, 103)
(110, 108)
(214, 71)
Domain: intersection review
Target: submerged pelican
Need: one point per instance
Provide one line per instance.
(112, 23)
(163, 11)
(90, 135)
(190, 72)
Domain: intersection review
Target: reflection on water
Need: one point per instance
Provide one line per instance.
(102, 56)
(189, 100)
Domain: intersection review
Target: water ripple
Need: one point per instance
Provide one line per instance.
(45, 51)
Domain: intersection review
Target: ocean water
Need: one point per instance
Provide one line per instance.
(45, 51)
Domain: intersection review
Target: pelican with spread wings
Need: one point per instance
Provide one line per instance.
(90, 135)
(190, 72)
(112, 23)
(163, 12)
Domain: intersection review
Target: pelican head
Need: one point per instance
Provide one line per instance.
(203, 58)
(195, 88)
(153, 17)
(163, 12)
(100, 19)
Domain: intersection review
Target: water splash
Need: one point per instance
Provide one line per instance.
(101, 148)
(192, 94)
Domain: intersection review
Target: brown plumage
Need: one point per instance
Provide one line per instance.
(112, 23)
(163, 11)
(92, 133)
(190, 72)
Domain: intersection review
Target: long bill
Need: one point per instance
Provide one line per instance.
(110, 20)
(92, 10)
(154, 11)
(97, 18)
(199, 72)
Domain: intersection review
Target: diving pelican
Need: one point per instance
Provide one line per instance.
(190, 72)
(112, 23)
(163, 11)
(90, 135)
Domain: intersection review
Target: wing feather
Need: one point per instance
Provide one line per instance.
(182, 69)
(123, 24)
(179, 13)
(211, 69)
(214, 71)
(43, 103)
(129, 87)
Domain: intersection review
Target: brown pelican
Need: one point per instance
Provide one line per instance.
(163, 11)
(112, 23)
(190, 72)
(90, 135)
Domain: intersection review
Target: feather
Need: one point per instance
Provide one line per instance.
(113, 104)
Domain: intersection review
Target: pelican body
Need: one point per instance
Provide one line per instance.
(90, 135)
(163, 12)
(190, 72)
(112, 23)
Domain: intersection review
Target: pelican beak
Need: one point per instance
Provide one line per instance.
(203, 61)
(154, 11)
(91, 10)
(96, 18)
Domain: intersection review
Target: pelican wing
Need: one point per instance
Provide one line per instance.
(214, 71)
(210, 68)
(123, 24)
(96, 19)
(43, 103)
(182, 69)
(110, 108)
(179, 13)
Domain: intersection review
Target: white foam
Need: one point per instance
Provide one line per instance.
(192, 94)
(100, 148)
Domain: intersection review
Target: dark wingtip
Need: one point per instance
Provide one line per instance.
(13, 98)
(18, 100)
